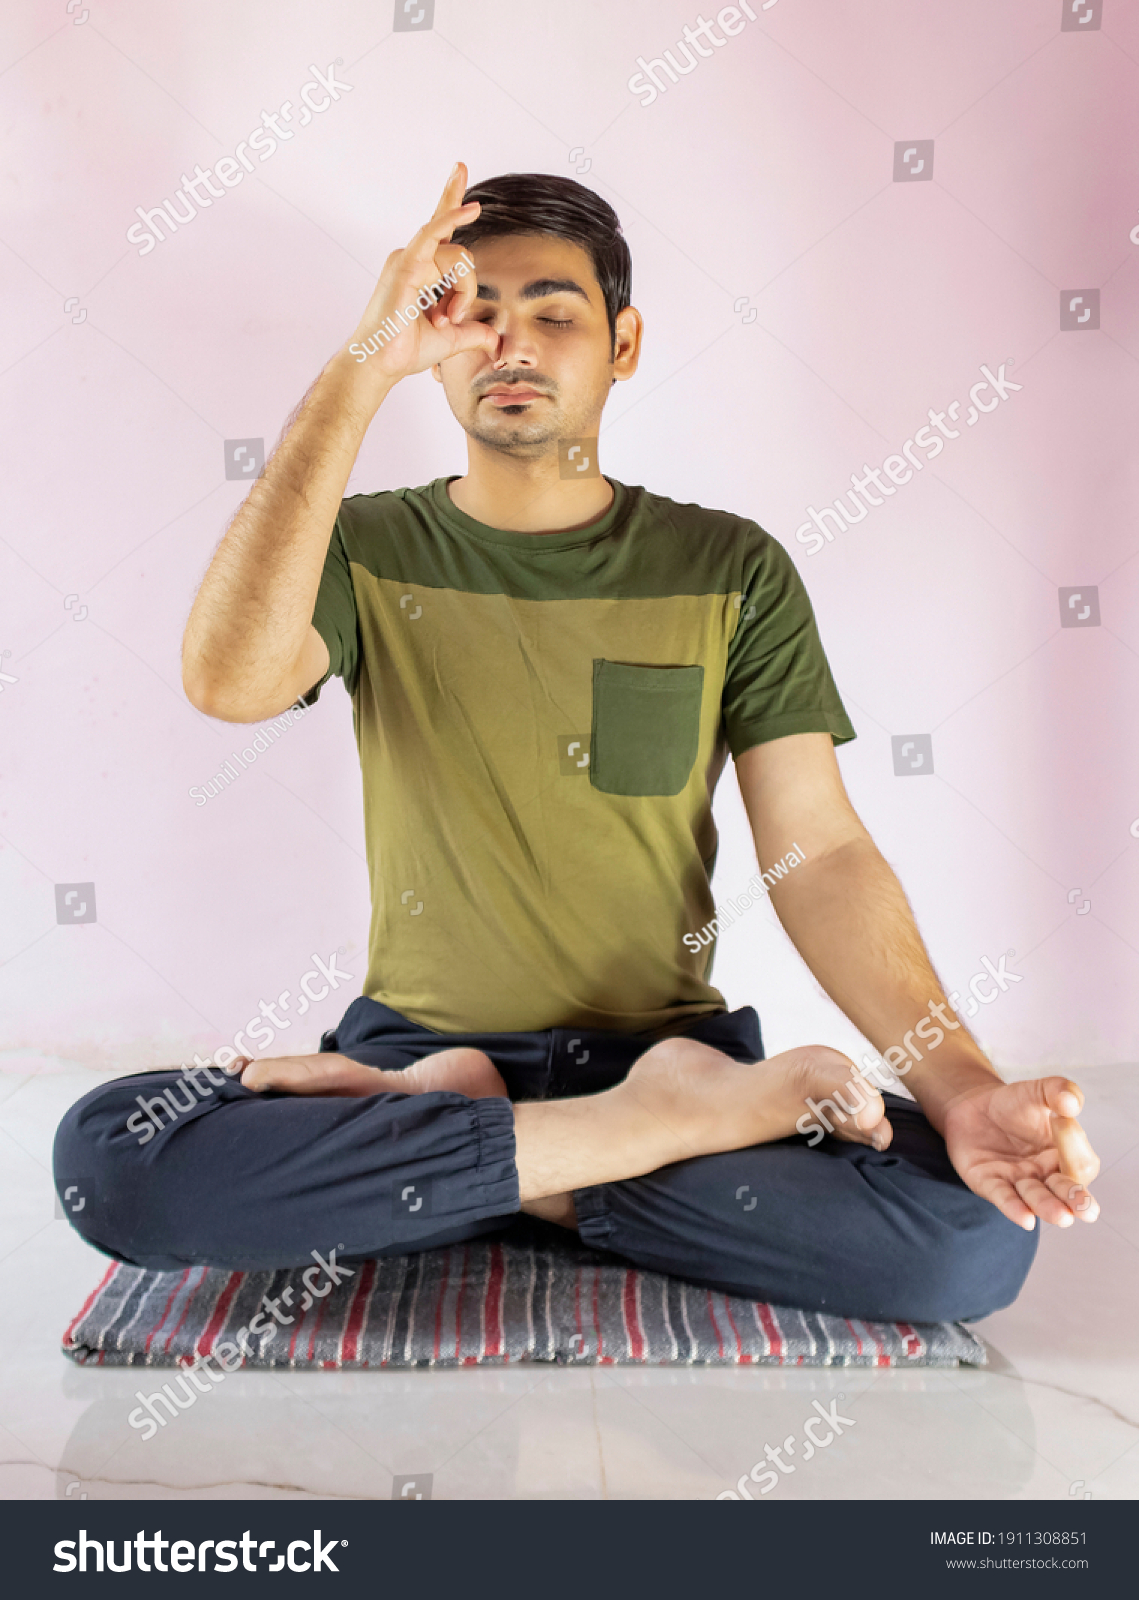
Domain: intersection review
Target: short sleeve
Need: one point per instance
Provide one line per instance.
(335, 617)
(778, 680)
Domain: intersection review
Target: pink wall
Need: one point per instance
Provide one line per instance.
(765, 178)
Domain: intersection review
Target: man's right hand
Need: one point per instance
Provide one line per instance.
(434, 335)
(250, 647)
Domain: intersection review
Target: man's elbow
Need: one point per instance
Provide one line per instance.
(233, 703)
(213, 699)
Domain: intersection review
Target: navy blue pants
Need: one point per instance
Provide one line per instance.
(247, 1181)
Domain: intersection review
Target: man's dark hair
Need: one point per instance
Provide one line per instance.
(539, 203)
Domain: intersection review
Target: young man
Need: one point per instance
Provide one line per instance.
(548, 671)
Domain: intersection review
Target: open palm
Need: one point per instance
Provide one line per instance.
(1019, 1146)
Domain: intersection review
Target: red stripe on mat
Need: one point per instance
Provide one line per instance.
(913, 1342)
(224, 1300)
(742, 1355)
(496, 1278)
(633, 1334)
(90, 1301)
(770, 1329)
(715, 1325)
(356, 1314)
(882, 1360)
(316, 1331)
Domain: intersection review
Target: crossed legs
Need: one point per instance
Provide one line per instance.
(690, 1165)
(681, 1099)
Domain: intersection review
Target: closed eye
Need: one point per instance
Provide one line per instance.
(552, 322)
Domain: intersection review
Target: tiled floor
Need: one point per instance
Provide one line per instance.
(1056, 1414)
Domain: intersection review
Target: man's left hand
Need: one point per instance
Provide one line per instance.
(1019, 1146)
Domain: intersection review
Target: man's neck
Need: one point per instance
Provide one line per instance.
(529, 496)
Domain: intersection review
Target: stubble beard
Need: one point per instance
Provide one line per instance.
(526, 436)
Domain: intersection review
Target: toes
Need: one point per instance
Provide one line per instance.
(873, 1111)
(326, 1074)
(877, 1137)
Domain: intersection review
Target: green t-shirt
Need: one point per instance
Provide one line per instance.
(541, 721)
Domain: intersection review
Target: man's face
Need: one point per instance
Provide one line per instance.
(554, 366)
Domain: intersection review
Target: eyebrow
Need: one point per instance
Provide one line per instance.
(537, 289)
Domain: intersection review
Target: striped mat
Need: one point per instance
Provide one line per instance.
(485, 1302)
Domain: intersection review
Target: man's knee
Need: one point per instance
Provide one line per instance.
(104, 1161)
(85, 1165)
(966, 1272)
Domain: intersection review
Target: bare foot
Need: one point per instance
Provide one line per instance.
(462, 1070)
(714, 1103)
(683, 1099)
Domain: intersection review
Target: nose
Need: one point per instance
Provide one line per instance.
(516, 348)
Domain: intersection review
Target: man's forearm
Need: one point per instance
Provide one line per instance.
(849, 919)
(252, 613)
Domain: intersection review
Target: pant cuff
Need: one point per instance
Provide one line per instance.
(496, 1174)
(594, 1222)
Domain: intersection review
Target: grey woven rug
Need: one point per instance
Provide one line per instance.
(486, 1302)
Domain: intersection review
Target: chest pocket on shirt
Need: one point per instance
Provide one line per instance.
(646, 727)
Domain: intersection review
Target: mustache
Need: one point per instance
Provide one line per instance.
(520, 380)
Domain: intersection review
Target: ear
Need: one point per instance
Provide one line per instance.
(628, 334)
(437, 373)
